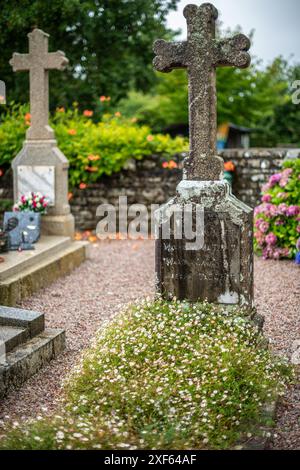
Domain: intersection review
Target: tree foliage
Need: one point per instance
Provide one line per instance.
(259, 98)
(284, 124)
(108, 43)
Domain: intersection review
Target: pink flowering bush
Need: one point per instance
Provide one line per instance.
(277, 218)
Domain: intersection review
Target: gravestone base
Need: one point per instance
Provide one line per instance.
(220, 268)
(25, 346)
(61, 225)
(52, 182)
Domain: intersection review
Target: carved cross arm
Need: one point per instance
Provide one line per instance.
(233, 52)
(20, 62)
(56, 60)
(169, 55)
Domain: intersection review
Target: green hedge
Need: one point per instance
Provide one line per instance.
(92, 148)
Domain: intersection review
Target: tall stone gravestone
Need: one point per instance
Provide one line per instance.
(221, 270)
(25, 344)
(40, 165)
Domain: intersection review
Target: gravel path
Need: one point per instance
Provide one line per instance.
(118, 272)
(277, 297)
(122, 271)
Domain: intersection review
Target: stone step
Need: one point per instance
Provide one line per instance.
(33, 322)
(11, 337)
(42, 272)
(25, 360)
(16, 261)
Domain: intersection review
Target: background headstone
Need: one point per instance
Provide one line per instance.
(221, 270)
(27, 230)
(40, 165)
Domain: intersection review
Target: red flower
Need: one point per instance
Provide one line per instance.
(172, 164)
(27, 118)
(229, 166)
(93, 158)
(91, 169)
(88, 113)
(82, 186)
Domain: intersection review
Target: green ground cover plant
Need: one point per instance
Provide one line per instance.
(162, 375)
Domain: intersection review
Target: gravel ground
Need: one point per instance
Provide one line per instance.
(277, 297)
(122, 271)
(118, 272)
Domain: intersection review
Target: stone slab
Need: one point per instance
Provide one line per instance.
(220, 270)
(62, 225)
(37, 179)
(11, 337)
(26, 360)
(32, 321)
(42, 273)
(15, 262)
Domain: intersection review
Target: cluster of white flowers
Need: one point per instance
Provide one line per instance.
(167, 375)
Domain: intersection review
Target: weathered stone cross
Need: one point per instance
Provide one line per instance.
(201, 54)
(38, 62)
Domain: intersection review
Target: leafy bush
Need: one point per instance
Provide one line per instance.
(247, 97)
(167, 375)
(93, 149)
(277, 218)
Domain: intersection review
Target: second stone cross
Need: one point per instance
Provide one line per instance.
(40, 165)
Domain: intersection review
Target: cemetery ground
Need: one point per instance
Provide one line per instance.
(158, 374)
(118, 273)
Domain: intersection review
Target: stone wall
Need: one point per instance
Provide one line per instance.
(253, 167)
(147, 182)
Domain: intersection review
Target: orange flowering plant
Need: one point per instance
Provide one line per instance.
(229, 166)
(170, 165)
(92, 148)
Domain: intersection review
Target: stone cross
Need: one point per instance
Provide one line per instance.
(40, 165)
(200, 55)
(38, 62)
